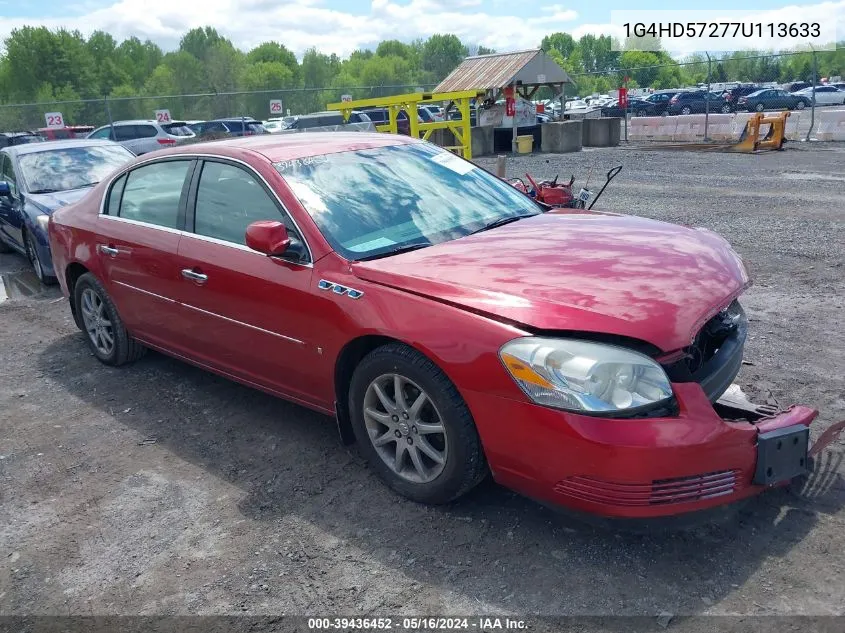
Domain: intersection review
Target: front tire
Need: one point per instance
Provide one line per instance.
(726, 109)
(413, 426)
(103, 328)
(800, 105)
(35, 261)
(760, 107)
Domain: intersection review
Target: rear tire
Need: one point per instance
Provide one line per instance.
(434, 465)
(107, 337)
(800, 105)
(686, 110)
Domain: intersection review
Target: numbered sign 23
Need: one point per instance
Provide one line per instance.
(275, 106)
(54, 119)
(163, 116)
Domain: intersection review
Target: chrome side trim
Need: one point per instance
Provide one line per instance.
(200, 156)
(247, 325)
(241, 247)
(339, 289)
(149, 225)
(146, 292)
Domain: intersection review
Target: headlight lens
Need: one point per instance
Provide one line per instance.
(584, 376)
(43, 220)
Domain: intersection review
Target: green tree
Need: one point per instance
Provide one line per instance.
(441, 54)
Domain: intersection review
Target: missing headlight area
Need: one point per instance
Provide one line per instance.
(715, 356)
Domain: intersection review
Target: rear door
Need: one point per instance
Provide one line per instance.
(11, 216)
(140, 228)
(252, 311)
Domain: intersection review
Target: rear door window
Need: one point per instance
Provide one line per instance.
(152, 193)
(124, 132)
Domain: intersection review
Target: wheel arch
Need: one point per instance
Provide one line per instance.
(73, 272)
(348, 359)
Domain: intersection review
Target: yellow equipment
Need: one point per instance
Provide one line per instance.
(460, 129)
(750, 140)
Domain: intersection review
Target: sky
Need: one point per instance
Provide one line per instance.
(341, 26)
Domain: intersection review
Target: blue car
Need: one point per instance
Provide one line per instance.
(39, 178)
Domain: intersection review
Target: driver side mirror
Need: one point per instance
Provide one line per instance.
(5, 189)
(268, 237)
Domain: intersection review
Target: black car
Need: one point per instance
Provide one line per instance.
(660, 100)
(695, 101)
(7, 139)
(381, 116)
(330, 119)
(234, 126)
(796, 85)
(732, 96)
(772, 99)
(636, 107)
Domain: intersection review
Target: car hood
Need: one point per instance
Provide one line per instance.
(49, 202)
(578, 271)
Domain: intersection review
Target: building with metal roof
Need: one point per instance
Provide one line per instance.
(527, 70)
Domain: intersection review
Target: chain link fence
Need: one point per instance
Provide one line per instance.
(718, 95)
(190, 107)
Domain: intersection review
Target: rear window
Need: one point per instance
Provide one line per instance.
(256, 128)
(177, 129)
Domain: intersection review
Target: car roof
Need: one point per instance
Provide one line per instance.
(245, 119)
(32, 148)
(279, 147)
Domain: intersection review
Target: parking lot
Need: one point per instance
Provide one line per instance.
(158, 488)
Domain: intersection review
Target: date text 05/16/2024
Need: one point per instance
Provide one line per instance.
(479, 623)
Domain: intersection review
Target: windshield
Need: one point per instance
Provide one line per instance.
(70, 167)
(371, 202)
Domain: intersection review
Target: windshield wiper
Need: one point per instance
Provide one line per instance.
(38, 191)
(88, 184)
(503, 221)
(396, 251)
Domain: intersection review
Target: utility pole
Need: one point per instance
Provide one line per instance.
(707, 101)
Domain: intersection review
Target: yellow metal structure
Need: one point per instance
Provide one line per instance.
(774, 139)
(460, 129)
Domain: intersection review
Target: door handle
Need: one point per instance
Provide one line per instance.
(193, 275)
(111, 251)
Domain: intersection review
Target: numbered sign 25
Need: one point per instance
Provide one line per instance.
(163, 116)
(54, 119)
(275, 106)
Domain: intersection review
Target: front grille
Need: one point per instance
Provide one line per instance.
(714, 358)
(656, 492)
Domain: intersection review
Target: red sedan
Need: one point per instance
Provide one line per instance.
(452, 325)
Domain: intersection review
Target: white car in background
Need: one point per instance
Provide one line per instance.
(825, 95)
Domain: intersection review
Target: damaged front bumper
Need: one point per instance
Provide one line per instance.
(707, 455)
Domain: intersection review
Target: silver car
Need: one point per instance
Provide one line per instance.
(144, 136)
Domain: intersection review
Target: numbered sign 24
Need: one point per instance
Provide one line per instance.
(163, 116)
(54, 119)
(275, 106)
(345, 98)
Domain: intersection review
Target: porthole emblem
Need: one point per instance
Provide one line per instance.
(352, 293)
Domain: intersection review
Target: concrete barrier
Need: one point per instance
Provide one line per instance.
(652, 128)
(561, 137)
(600, 132)
(831, 126)
(482, 141)
(719, 127)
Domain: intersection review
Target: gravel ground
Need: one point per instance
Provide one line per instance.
(161, 489)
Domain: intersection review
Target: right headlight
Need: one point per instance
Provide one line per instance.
(583, 376)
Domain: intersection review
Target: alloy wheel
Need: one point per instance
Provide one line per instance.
(405, 428)
(97, 323)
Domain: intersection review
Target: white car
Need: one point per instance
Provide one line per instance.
(825, 95)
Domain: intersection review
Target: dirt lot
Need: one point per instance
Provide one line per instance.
(161, 489)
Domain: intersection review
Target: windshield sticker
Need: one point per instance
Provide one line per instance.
(379, 242)
(453, 162)
(306, 161)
